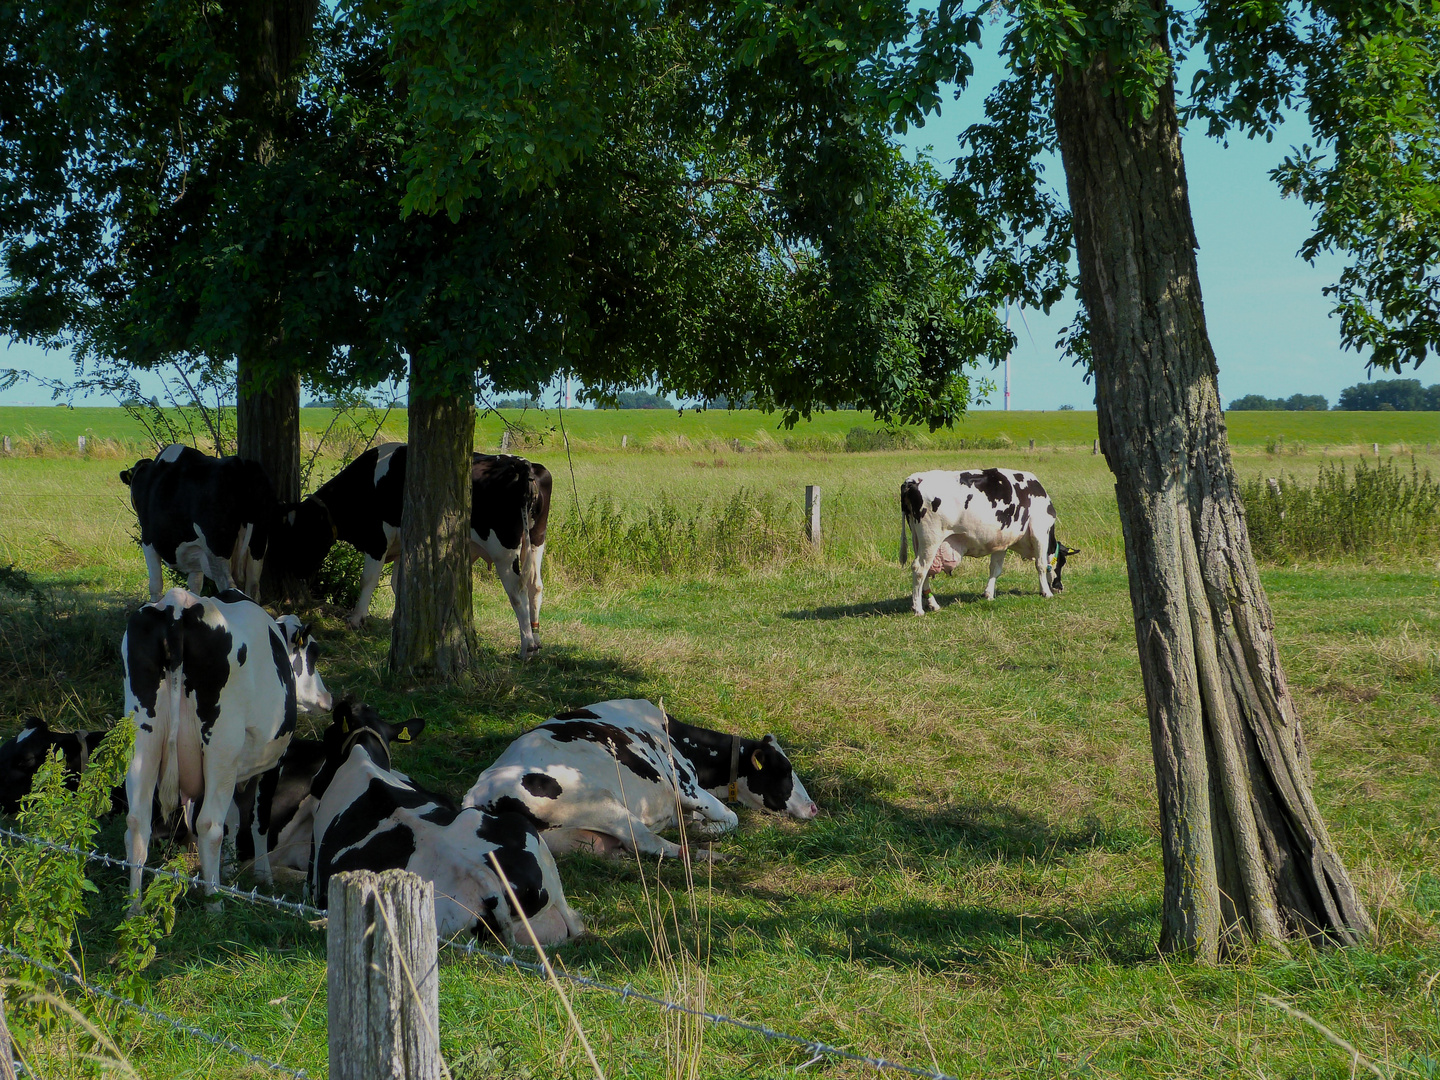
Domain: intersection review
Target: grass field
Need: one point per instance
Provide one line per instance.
(667, 430)
(981, 890)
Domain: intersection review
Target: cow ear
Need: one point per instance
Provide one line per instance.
(410, 729)
(772, 741)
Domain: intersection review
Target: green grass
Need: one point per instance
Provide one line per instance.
(667, 430)
(981, 891)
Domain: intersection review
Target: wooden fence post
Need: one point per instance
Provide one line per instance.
(812, 512)
(7, 444)
(1095, 449)
(505, 441)
(624, 441)
(1376, 448)
(383, 983)
(1032, 444)
(80, 443)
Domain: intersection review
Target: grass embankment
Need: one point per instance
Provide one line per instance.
(661, 429)
(981, 891)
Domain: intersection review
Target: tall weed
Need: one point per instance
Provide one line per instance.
(1377, 508)
(746, 530)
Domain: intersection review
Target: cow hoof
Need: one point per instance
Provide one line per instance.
(932, 604)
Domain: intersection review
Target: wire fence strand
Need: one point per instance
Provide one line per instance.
(155, 1014)
(254, 895)
(626, 993)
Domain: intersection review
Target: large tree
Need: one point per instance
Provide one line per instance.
(1247, 855)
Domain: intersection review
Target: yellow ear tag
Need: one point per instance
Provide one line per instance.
(404, 735)
(1053, 559)
(755, 760)
(344, 727)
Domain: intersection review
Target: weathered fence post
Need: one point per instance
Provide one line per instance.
(812, 512)
(382, 979)
(7, 444)
(1376, 448)
(80, 443)
(505, 441)
(624, 441)
(1095, 448)
(1032, 444)
(7, 1055)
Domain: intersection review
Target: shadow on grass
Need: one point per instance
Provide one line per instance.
(901, 605)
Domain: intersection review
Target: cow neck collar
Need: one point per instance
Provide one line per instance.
(354, 737)
(334, 532)
(734, 768)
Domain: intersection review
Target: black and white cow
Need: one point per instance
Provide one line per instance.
(607, 777)
(362, 504)
(291, 816)
(22, 756)
(214, 685)
(753, 772)
(206, 517)
(369, 817)
(979, 513)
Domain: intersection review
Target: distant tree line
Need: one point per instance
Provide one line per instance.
(1294, 403)
(1386, 395)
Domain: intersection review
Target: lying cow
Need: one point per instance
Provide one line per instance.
(214, 685)
(205, 517)
(954, 514)
(22, 756)
(753, 772)
(369, 817)
(607, 777)
(362, 505)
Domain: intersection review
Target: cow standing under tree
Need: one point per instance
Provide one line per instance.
(362, 505)
(979, 513)
(214, 685)
(203, 516)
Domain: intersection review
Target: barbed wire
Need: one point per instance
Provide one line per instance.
(625, 993)
(156, 1014)
(629, 993)
(193, 880)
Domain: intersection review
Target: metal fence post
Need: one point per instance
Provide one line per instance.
(383, 983)
(812, 512)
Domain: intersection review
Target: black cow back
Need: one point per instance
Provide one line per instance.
(219, 495)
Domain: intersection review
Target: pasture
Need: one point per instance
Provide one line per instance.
(980, 893)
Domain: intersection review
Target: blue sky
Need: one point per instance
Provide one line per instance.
(1268, 319)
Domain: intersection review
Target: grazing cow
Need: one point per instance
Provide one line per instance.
(601, 778)
(214, 685)
(206, 517)
(979, 513)
(369, 817)
(22, 756)
(362, 504)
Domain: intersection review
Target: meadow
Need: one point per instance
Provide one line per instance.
(981, 891)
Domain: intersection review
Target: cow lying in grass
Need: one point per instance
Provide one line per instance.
(979, 513)
(370, 817)
(22, 756)
(608, 776)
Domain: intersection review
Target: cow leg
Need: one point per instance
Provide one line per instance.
(244, 815)
(1042, 567)
(924, 559)
(140, 793)
(637, 836)
(210, 824)
(508, 569)
(264, 801)
(533, 585)
(369, 580)
(997, 567)
(157, 574)
(709, 816)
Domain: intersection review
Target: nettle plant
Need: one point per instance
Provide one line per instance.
(44, 894)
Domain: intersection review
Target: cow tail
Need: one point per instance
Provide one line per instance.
(527, 517)
(904, 539)
(169, 787)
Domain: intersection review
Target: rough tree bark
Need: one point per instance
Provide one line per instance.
(277, 34)
(1246, 853)
(433, 631)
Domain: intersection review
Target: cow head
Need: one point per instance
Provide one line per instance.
(310, 693)
(767, 781)
(1058, 553)
(302, 536)
(22, 756)
(356, 724)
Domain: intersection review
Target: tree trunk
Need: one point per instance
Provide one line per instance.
(268, 428)
(433, 631)
(1246, 853)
